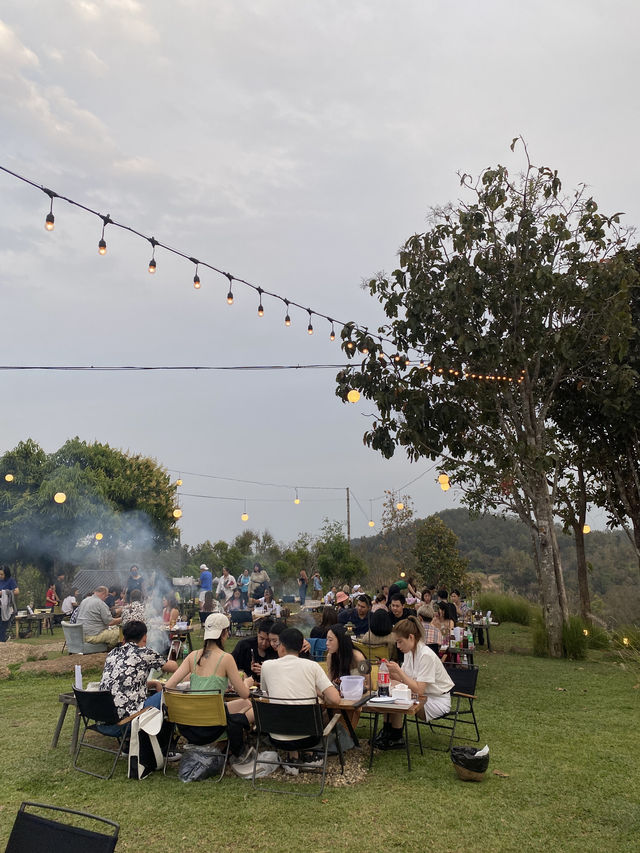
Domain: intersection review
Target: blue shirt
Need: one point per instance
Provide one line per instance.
(206, 581)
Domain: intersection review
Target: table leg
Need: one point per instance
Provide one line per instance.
(56, 734)
(406, 741)
(345, 716)
(373, 737)
(74, 736)
(488, 637)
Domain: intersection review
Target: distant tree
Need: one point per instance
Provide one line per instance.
(334, 557)
(436, 553)
(398, 535)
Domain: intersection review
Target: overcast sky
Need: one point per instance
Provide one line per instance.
(295, 144)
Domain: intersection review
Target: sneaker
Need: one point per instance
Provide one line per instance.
(247, 755)
(292, 771)
(393, 743)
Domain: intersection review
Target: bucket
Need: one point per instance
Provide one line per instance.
(352, 686)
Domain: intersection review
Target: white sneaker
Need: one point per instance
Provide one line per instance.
(292, 771)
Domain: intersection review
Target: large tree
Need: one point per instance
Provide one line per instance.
(127, 499)
(491, 310)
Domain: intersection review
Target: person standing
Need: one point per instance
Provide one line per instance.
(135, 581)
(226, 585)
(243, 585)
(206, 582)
(303, 580)
(316, 581)
(8, 591)
(258, 582)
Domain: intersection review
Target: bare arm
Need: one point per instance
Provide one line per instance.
(241, 686)
(332, 695)
(183, 670)
(398, 674)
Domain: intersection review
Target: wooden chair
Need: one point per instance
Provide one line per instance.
(301, 718)
(196, 708)
(33, 832)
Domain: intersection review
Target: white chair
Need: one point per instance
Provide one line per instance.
(75, 642)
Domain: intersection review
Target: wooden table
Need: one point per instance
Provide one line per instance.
(347, 709)
(390, 708)
(25, 624)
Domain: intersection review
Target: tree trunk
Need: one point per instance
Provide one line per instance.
(583, 582)
(549, 569)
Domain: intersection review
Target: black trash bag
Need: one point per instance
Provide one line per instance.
(465, 756)
(199, 763)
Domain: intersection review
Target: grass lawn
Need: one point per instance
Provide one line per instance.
(566, 733)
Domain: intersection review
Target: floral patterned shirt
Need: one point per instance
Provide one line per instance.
(126, 672)
(133, 612)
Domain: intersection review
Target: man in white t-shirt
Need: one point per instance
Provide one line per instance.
(293, 677)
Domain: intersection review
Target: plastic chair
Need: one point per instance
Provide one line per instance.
(301, 718)
(196, 708)
(75, 643)
(461, 714)
(97, 709)
(33, 832)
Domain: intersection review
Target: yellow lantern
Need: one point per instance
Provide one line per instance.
(59, 497)
(9, 478)
(177, 513)
(98, 536)
(353, 396)
(586, 529)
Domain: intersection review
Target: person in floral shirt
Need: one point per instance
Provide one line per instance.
(133, 612)
(127, 667)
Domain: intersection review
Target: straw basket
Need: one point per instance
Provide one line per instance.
(468, 775)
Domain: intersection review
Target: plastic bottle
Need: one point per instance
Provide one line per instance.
(383, 678)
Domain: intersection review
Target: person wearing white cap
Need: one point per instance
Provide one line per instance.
(211, 668)
(206, 581)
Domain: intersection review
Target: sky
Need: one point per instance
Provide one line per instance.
(295, 145)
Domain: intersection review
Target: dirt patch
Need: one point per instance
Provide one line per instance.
(12, 653)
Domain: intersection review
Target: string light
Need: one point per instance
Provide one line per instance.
(152, 262)
(586, 529)
(371, 521)
(179, 482)
(98, 536)
(332, 335)
(287, 318)
(349, 345)
(353, 396)
(59, 497)
(49, 222)
(399, 505)
(296, 500)
(245, 514)
(443, 478)
(9, 478)
(260, 308)
(196, 278)
(177, 513)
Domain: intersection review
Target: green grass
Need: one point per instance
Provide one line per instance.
(565, 732)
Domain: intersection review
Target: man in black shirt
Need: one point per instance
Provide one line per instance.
(397, 610)
(251, 653)
(443, 595)
(358, 615)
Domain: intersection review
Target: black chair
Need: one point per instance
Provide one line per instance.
(34, 832)
(97, 710)
(301, 718)
(239, 618)
(463, 692)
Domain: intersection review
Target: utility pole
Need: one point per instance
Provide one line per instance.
(348, 517)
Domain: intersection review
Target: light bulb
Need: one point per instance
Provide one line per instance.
(98, 536)
(177, 513)
(400, 505)
(49, 222)
(443, 478)
(9, 478)
(244, 516)
(309, 328)
(178, 482)
(586, 529)
(260, 310)
(364, 349)
(372, 523)
(287, 320)
(152, 266)
(296, 501)
(196, 281)
(353, 396)
(332, 336)
(402, 574)
(59, 497)
(445, 487)
(102, 247)
(230, 298)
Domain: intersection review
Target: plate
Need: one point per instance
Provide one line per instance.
(382, 700)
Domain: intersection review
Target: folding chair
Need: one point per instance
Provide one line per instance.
(196, 708)
(239, 620)
(301, 718)
(97, 710)
(33, 832)
(461, 714)
(372, 651)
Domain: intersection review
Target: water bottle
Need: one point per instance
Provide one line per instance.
(383, 678)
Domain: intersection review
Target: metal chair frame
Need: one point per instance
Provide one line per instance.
(196, 708)
(98, 705)
(464, 686)
(33, 832)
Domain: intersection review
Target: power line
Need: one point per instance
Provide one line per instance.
(123, 367)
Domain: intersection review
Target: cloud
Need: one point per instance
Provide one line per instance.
(14, 54)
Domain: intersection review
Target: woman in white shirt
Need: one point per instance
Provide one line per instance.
(422, 671)
(267, 606)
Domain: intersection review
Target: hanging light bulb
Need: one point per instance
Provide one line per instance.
(177, 513)
(399, 505)
(49, 222)
(260, 308)
(287, 318)
(178, 482)
(350, 345)
(152, 262)
(230, 294)
(353, 396)
(196, 279)
(102, 243)
(443, 478)
(445, 487)
(99, 536)
(372, 523)
(244, 516)
(309, 327)
(586, 529)
(296, 500)
(332, 335)
(59, 497)
(9, 478)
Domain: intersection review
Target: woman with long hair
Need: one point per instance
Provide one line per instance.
(328, 620)
(342, 658)
(170, 612)
(423, 672)
(211, 668)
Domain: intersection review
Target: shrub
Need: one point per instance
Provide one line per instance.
(539, 636)
(597, 638)
(574, 639)
(506, 608)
